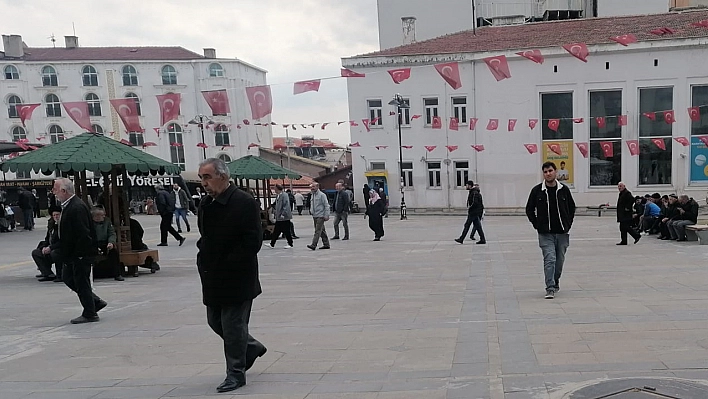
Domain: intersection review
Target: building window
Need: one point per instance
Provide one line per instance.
(176, 152)
(49, 76)
(169, 75)
(459, 109)
(97, 129)
(19, 133)
(12, 102)
(433, 174)
(224, 157)
(136, 138)
(699, 98)
(378, 166)
(137, 101)
(557, 106)
(56, 134)
(53, 105)
(216, 70)
(604, 170)
(375, 110)
(462, 173)
(431, 110)
(221, 137)
(94, 104)
(130, 76)
(89, 76)
(11, 72)
(24, 174)
(407, 171)
(655, 163)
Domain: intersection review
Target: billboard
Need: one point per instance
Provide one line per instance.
(560, 152)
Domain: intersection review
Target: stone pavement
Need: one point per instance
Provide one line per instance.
(413, 316)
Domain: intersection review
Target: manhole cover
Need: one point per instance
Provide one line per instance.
(642, 388)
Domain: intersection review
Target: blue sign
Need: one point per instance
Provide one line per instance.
(699, 160)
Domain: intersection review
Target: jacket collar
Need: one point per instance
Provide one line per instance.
(558, 184)
(223, 198)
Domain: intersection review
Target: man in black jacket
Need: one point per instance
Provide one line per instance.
(475, 207)
(77, 240)
(551, 209)
(625, 208)
(687, 216)
(231, 236)
(342, 204)
(25, 201)
(166, 208)
(47, 251)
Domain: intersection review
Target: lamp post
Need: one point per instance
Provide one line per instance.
(199, 121)
(400, 105)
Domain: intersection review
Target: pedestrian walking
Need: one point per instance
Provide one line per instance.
(166, 208)
(342, 205)
(376, 211)
(181, 200)
(299, 202)
(319, 209)
(35, 204)
(475, 208)
(625, 212)
(25, 201)
(551, 209)
(283, 214)
(77, 241)
(230, 227)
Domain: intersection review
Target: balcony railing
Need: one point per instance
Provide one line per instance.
(529, 8)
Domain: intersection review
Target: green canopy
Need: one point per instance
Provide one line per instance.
(88, 152)
(256, 168)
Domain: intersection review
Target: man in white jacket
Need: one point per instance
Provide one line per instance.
(319, 208)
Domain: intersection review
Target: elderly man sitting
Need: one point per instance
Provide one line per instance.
(48, 251)
(106, 238)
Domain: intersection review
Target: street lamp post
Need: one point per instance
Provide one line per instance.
(199, 121)
(400, 105)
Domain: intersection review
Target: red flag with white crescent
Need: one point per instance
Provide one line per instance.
(533, 123)
(306, 85)
(253, 145)
(407, 147)
(324, 125)
(554, 124)
(578, 120)
(608, 148)
(381, 147)
(533, 55)
(450, 72)
(633, 147)
(454, 124)
(682, 140)
(430, 147)
(555, 148)
(531, 148)
(202, 145)
(583, 148)
(261, 101)
(701, 24)
(650, 115)
(511, 125)
(157, 131)
(169, 107)
(348, 73)
(660, 143)
(366, 124)
(437, 122)
(622, 121)
(601, 122)
(694, 113)
(669, 117)
(355, 144)
(625, 40)
(126, 142)
(578, 50)
(493, 124)
(663, 31)
(415, 117)
(127, 110)
(79, 113)
(499, 67)
(473, 123)
(399, 75)
(218, 101)
(25, 111)
(478, 147)
(451, 148)
(704, 140)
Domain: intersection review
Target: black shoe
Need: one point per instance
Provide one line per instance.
(660, 237)
(472, 238)
(188, 229)
(119, 278)
(335, 238)
(324, 247)
(345, 238)
(550, 294)
(295, 237)
(179, 230)
(100, 305)
(636, 240)
(377, 239)
(681, 239)
(621, 243)
(249, 364)
(82, 320)
(162, 244)
(50, 277)
(312, 247)
(459, 240)
(665, 238)
(181, 241)
(39, 276)
(481, 242)
(58, 280)
(229, 385)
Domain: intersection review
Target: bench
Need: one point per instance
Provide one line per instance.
(601, 208)
(697, 232)
(133, 259)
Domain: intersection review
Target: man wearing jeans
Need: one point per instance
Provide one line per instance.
(181, 206)
(475, 208)
(341, 211)
(319, 208)
(551, 210)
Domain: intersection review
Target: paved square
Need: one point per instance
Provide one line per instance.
(413, 316)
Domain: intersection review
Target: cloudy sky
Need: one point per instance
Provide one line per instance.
(293, 40)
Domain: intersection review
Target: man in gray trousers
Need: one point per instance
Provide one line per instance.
(283, 215)
(319, 208)
(342, 203)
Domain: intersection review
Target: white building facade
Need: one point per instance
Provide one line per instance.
(652, 76)
(50, 76)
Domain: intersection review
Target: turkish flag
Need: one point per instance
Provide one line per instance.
(127, 110)
(149, 144)
(373, 121)
(554, 124)
(633, 147)
(430, 147)
(169, 106)
(583, 148)
(659, 143)
(366, 124)
(348, 73)
(704, 140)
(437, 122)
(555, 148)
(176, 144)
(578, 50)
(218, 101)
(126, 142)
(533, 55)
(202, 145)
(499, 67)
(511, 125)
(578, 120)
(478, 147)
(625, 40)
(682, 140)
(251, 145)
(601, 122)
(324, 125)
(451, 73)
(663, 31)
(246, 122)
(407, 147)
(25, 111)
(650, 115)
(694, 113)
(305, 86)
(355, 144)
(451, 148)
(381, 147)
(701, 24)
(669, 117)
(157, 130)
(493, 124)
(79, 113)
(399, 75)
(261, 101)
(454, 124)
(622, 121)
(351, 123)
(416, 116)
(473, 123)
(533, 123)
(608, 148)
(531, 148)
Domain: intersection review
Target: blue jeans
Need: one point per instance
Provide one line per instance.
(28, 215)
(476, 222)
(181, 213)
(553, 247)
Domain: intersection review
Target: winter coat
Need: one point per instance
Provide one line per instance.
(342, 201)
(165, 202)
(475, 206)
(625, 206)
(283, 210)
(537, 208)
(319, 205)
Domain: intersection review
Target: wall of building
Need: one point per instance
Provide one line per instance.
(612, 8)
(297, 164)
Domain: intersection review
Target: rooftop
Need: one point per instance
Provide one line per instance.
(107, 54)
(555, 33)
(279, 142)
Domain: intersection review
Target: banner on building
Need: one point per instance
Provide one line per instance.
(699, 160)
(560, 152)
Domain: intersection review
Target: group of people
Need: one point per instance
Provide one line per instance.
(27, 202)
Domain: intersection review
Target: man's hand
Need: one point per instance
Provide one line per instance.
(109, 246)
(664, 220)
(46, 251)
(682, 211)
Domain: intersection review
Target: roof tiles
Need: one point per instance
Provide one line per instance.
(108, 54)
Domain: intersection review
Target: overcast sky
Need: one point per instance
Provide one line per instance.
(292, 40)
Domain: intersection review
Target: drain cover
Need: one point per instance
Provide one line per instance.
(642, 388)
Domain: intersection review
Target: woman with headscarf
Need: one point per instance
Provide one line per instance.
(376, 210)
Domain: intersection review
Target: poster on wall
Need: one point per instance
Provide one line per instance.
(699, 163)
(561, 153)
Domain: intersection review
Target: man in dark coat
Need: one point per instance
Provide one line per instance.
(231, 236)
(48, 252)
(475, 208)
(25, 201)
(166, 208)
(625, 211)
(77, 240)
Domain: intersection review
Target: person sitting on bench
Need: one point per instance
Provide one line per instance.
(688, 215)
(106, 239)
(48, 251)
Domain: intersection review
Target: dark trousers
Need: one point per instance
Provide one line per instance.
(111, 262)
(166, 227)
(77, 276)
(28, 218)
(626, 227)
(285, 227)
(36, 212)
(475, 220)
(240, 348)
(44, 262)
(299, 209)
